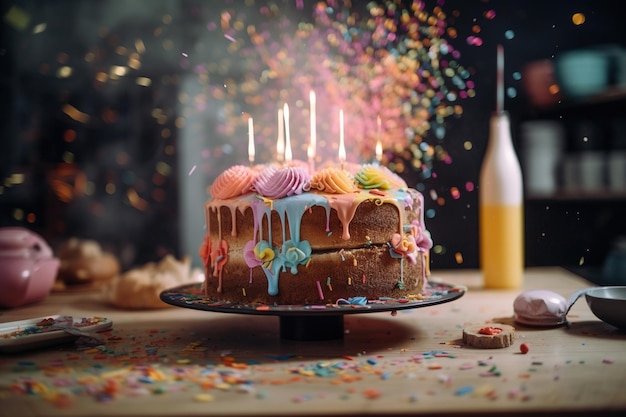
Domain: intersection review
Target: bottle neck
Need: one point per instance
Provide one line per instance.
(500, 130)
(500, 175)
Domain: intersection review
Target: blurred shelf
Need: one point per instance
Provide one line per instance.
(563, 195)
(612, 94)
(598, 104)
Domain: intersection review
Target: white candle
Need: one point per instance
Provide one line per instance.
(250, 141)
(280, 141)
(379, 145)
(342, 146)
(288, 155)
(313, 145)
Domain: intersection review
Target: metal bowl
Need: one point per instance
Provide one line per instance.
(608, 304)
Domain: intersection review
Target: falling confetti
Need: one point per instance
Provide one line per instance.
(385, 60)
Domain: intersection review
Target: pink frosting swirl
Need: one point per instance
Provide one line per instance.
(262, 180)
(282, 182)
(235, 181)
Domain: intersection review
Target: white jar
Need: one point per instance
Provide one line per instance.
(542, 143)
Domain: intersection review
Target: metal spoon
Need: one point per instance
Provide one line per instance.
(543, 307)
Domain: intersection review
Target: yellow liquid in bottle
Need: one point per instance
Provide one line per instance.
(501, 245)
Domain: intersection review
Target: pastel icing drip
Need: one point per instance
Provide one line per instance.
(333, 181)
(235, 181)
(287, 257)
(293, 209)
(205, 251)
(282, 182)
(233, 206)
(422, 236)
(345, 205)
(292, 252)
(214, 258)
(399, 198)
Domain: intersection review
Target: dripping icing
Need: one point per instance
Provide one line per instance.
(290, 211)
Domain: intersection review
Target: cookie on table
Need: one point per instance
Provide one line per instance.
(491, 336)
(140, 288)
(84, 262)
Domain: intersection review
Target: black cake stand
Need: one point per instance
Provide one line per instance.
(310, 322)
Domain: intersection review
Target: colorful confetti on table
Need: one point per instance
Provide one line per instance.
(137, 363)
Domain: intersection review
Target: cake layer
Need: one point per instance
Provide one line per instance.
(370, 272)
(373, 220)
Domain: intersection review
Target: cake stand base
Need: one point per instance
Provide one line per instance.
(308, 323)
(311, 328)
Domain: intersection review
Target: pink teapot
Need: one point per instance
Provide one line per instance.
(28, 267)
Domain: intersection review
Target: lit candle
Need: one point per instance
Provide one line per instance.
(280, 141)
(342, 146)
(288, 155)
(312, 146)
(250, 141)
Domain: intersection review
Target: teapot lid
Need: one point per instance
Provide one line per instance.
(22, 243)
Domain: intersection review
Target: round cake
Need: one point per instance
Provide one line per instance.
(283, 235)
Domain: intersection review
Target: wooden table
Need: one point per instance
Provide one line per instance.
(177, 361)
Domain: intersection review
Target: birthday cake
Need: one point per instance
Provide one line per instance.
(282, 235)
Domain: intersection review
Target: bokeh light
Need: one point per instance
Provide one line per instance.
(578, 19)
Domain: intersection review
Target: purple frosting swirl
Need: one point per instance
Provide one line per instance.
(277, 183)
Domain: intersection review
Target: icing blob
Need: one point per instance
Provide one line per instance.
(540, 307)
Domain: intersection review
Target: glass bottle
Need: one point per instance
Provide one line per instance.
(501, 223)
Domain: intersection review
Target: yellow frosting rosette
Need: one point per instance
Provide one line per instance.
(333, 181)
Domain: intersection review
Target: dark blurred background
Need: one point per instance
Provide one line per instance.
(117, 115)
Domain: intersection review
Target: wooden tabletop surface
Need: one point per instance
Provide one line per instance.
(185, 362)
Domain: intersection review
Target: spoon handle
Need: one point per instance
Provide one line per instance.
(573, 298)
